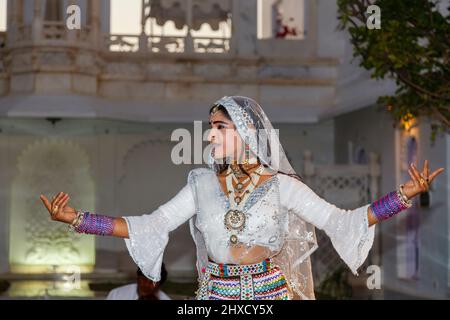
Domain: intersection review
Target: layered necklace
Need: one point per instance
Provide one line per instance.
(235, 218)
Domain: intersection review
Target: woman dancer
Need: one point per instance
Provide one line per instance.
(250, 215)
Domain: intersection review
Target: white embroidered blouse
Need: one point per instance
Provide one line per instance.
(267, 222)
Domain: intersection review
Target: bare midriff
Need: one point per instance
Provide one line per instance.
(255, 254)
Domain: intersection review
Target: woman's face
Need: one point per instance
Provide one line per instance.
(224, 137)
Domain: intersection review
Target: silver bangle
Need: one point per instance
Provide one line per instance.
(77, 221)
(407, 202)
(402, 193)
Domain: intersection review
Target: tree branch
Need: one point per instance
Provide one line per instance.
(416, 87)
(441, 116)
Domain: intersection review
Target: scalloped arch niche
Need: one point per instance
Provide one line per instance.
(38, 244)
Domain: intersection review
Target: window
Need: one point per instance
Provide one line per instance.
(281, 19)
(2, 15)
(126, 17)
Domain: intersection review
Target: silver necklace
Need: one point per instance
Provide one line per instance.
(235, 218)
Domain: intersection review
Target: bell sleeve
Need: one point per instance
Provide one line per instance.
(149, 233)
(348, 230)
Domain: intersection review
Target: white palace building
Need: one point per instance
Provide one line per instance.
(91, 113)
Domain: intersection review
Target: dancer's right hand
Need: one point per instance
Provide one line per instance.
(63, 213)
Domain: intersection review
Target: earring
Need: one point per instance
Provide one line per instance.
(247, 151)
(210, 159)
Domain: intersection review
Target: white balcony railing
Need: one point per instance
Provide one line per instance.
(51, 31)
(165, 44)
(121, 43)
(57, 30)
(211, 45)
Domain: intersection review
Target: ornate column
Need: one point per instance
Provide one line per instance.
(10, 13)
(37, 21)
(143, 45)
(308, 166)
(188, 42)
(11, 26)
(234, 26)
(95, 22)
(375, 173)
(71, 34)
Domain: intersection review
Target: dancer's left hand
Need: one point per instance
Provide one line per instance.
(420, 181)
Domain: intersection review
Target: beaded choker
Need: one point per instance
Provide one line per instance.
(237, 169)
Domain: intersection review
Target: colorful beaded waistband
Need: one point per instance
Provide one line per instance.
(230, 270)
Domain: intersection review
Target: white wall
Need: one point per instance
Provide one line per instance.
(374, 131)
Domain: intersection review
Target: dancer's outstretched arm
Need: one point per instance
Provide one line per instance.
(351, 232)
(146, 235)
(66, 214)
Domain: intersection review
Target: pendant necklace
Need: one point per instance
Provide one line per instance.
(235, 218)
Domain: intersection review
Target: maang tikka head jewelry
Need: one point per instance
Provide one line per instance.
(215, 109)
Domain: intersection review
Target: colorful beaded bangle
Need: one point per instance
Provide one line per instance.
(389, 205)
(94, 224)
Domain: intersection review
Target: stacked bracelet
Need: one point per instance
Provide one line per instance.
(76, 222)
(390, 205)
(402, 193)
(88, 223)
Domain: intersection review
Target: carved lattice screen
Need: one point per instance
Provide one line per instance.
(347, 187)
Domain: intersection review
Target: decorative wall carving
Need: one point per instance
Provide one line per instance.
(36, 242)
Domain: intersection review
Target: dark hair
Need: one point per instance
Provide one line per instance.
(224, 166)
(163, 274)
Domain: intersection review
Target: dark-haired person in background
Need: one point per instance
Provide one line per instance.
(144, 289)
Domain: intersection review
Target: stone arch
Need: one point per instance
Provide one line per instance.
(37, 244)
